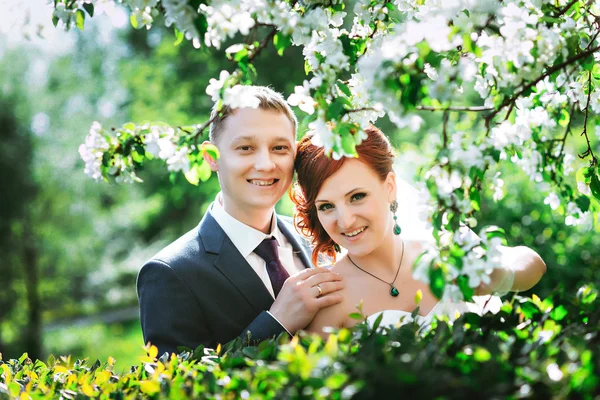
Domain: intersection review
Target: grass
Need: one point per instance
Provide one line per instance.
(122, 341)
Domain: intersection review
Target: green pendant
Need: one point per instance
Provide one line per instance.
(394, 292)
(397, 229)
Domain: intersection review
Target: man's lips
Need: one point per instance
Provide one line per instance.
(263, 182)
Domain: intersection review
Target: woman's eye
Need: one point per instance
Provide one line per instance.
(244, 148)
(325, 207)
(358, 196)
(280, 148)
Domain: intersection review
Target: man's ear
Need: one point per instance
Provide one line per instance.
(209, 159)
(390, 184)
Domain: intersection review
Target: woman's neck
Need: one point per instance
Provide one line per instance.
(384, 259)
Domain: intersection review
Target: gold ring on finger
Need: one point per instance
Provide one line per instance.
(319, 289)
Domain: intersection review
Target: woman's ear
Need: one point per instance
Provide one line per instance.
(390, 184)
(209, 159)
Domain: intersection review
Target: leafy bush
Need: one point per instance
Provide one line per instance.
(532, 348)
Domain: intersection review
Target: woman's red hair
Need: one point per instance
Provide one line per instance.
(313, 167)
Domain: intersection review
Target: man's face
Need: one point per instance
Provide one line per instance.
(256, 163)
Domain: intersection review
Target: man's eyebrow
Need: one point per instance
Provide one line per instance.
(282, 139)
(347, 194)
(242, 138)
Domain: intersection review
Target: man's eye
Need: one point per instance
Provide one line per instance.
(325, 207)
(358, 196)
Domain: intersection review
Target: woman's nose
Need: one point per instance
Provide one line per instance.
(346, 218)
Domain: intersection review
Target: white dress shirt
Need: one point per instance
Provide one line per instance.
(246, 239)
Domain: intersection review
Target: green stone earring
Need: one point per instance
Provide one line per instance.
(337, 248)
(393, 209)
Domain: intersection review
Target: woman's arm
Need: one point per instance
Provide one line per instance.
(522, 262)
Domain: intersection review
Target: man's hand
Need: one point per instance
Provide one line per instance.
(299, 299)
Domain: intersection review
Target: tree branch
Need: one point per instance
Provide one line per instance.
(549, 71)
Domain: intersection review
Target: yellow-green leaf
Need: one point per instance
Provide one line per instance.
(418, 296)
(149, 387)
(80, 19)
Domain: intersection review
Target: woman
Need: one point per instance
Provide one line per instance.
(351, 203)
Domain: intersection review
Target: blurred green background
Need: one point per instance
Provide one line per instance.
(72, 247)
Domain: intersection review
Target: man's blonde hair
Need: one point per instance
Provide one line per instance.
(268, 100)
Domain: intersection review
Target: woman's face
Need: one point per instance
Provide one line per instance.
(353, 207)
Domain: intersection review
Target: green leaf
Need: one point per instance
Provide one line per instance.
(583, 202)
(211, 149)
(336, 381)
(204, 171)
(14, 389)
(357, 316)
(281, 42)
(344, 88)
(463, 284)
(558, 313)
(377, 322)
(179, 36)
(349, 144)
(201, 24)
(80, 19)
(481, 354)
(336, 108)
(529, 309)
(565, 117)
(595, 185)
(134, 22)
(437, 282)
(89, 7)
(475, 199)
(55, 20)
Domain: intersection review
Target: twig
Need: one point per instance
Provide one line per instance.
(589, 151)
(567, 131)
(566, 8)
(445, 127)
(262, 45)
(359, 110)
(199, 131)
(456, 108)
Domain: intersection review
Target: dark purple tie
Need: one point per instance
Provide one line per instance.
(267, 250)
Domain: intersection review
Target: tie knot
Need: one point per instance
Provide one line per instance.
(267, 250)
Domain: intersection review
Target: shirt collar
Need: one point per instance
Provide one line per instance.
(244, 237)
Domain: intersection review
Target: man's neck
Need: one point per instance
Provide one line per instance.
(259, 219)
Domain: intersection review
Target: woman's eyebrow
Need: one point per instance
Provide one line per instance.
(347, 194)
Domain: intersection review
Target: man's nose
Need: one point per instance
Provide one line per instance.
(264, 161)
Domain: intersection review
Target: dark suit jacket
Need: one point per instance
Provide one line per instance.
(200, 290)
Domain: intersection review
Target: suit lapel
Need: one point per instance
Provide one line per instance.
(298, 248)
(232, 265)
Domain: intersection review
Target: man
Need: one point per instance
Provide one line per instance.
(242, 270)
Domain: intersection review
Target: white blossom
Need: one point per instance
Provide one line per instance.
(583, 188)
(214, 86)
(552, 200)
(93, 150)
(240, 97)
(301, 98)
(179, 161)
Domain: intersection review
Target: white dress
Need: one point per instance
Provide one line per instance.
(480, 305)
